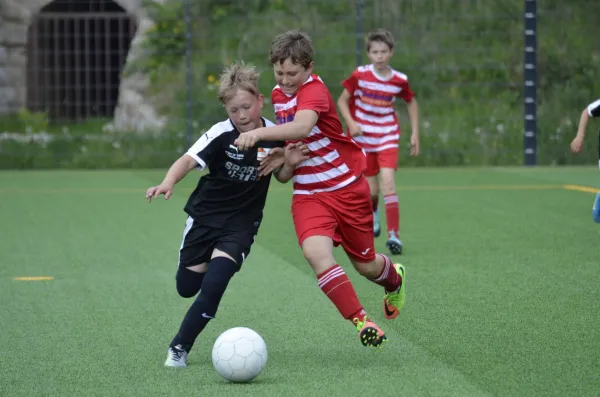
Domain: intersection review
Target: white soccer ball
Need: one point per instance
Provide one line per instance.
(239, 354)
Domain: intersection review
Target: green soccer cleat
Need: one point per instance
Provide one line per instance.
(393, 302)
(369, 333)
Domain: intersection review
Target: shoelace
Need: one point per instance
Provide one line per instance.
(176, 354)
(359, 324)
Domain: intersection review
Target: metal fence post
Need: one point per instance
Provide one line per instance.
(188, 73)
(530, 84)
(359, 34)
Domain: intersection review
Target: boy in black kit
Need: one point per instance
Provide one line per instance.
(226, 208)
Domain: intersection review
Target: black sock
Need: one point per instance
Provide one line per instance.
(188, 282)
(204, 308)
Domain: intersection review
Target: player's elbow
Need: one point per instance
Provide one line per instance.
(303, 124)
(282, 178)
(284, 174)
(304, 129)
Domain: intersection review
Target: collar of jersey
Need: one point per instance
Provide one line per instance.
(380, 78)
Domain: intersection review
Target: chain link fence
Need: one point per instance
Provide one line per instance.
(130, 83)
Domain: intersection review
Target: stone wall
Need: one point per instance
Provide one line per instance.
(134, 110)
(14, 21)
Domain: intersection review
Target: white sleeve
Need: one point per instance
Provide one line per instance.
(207, 146)
(594, 109)
(195, 151)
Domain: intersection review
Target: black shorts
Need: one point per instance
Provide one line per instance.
(200, 241)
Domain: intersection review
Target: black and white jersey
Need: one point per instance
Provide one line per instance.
(594, 109)
(230, 196)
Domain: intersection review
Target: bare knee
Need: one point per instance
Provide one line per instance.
(318, 251)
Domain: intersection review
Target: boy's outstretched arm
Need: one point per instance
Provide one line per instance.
(299, 128)
(285, 173)
(178, 170)
(343, 104)
(413, 115)
(577, 143)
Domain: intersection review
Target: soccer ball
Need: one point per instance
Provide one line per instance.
(239, 354)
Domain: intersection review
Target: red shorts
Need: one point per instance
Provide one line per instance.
(385, 159)
(344, 215)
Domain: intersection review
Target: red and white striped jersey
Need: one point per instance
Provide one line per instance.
(372, 106)
(335, 159)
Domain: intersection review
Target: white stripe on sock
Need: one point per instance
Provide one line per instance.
(387, 264)
(392, 198)
(327, 277)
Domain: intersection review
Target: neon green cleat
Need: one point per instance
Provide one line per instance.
(369, 333)
(393, 302)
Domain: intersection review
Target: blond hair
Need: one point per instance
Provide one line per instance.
(382, 36)
(238, 76)
(293, 44)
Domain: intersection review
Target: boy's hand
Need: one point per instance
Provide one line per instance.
(164, 188)
(275, 159)
(295, 153)
(248, 139)
(577, 144)
(354, 129)
(414, 145)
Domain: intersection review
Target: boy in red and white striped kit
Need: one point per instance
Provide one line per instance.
(331, 203)
(367, 105)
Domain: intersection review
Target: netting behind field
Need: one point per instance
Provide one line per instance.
(97, 74)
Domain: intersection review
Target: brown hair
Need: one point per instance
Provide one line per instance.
(382, 36)
(293, 44)
(238, 76)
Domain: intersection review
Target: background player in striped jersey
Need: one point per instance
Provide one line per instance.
(592, 110)
(367, 105)
(331, 203)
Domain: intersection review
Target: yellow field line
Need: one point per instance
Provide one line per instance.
(141, 191)
(480, 187)
(39, 278)
(580, 188)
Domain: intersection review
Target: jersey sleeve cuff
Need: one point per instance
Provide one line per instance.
(201, 163)
(593, 109)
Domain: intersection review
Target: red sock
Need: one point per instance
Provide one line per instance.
(375, 202)
(389, 277)
(335, 284)
(392, 213)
